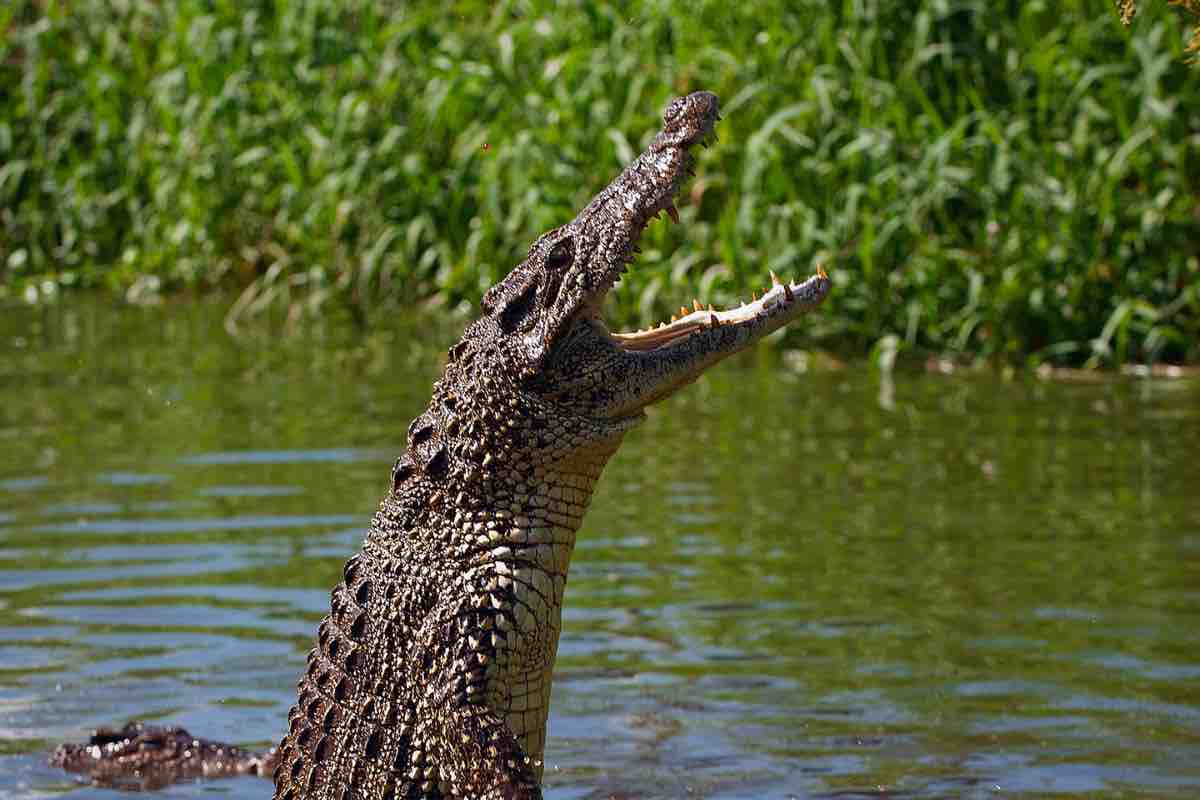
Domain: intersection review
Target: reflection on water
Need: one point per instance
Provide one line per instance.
(789, 585)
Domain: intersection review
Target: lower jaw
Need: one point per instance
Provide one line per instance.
(779, 298)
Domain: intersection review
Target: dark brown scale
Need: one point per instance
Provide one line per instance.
(419, 432)
(362, 595)
(438, 461)
(339, 609)
(350, 570)
(358, 627)
(358, 775)
(302, 738)
(374, 742)
(402, 472)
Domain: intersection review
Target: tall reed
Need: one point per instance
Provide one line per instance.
(1015, 181)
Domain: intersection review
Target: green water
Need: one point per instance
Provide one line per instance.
(789, 585)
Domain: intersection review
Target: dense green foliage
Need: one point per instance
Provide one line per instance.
(1014, 180)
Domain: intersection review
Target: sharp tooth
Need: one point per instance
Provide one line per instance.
(710, 309)
(673, 213)
(754, 295)
(696, 305)
(674, 318)
(787, 292)
(821, 271)
(774, 278)
(683, 312)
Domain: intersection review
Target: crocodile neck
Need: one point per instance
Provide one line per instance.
(480, 525)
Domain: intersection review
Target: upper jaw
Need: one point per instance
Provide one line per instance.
(648, 186)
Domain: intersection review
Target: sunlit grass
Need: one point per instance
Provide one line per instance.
(1013, 181)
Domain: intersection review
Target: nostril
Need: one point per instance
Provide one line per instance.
(696, 104)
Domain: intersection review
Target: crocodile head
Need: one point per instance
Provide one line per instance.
(548, 309)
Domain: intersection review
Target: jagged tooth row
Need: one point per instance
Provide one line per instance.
(715, 322)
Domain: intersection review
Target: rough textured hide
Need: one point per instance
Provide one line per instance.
(431, 674)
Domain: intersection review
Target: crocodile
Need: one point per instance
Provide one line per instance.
(431, 674)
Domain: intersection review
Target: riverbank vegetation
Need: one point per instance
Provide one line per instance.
(1011, 181)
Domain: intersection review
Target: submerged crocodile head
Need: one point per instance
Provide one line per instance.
(547, 312)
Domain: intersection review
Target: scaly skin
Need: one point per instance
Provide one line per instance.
(431, 675)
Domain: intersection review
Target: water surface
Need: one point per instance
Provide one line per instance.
(790, 584)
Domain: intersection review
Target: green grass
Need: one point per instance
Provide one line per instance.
(1011, 181)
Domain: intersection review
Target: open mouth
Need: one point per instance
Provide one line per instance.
(780, 298)
(687, 122)
(783, 299)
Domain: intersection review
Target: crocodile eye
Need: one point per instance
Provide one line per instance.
(561, 255)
